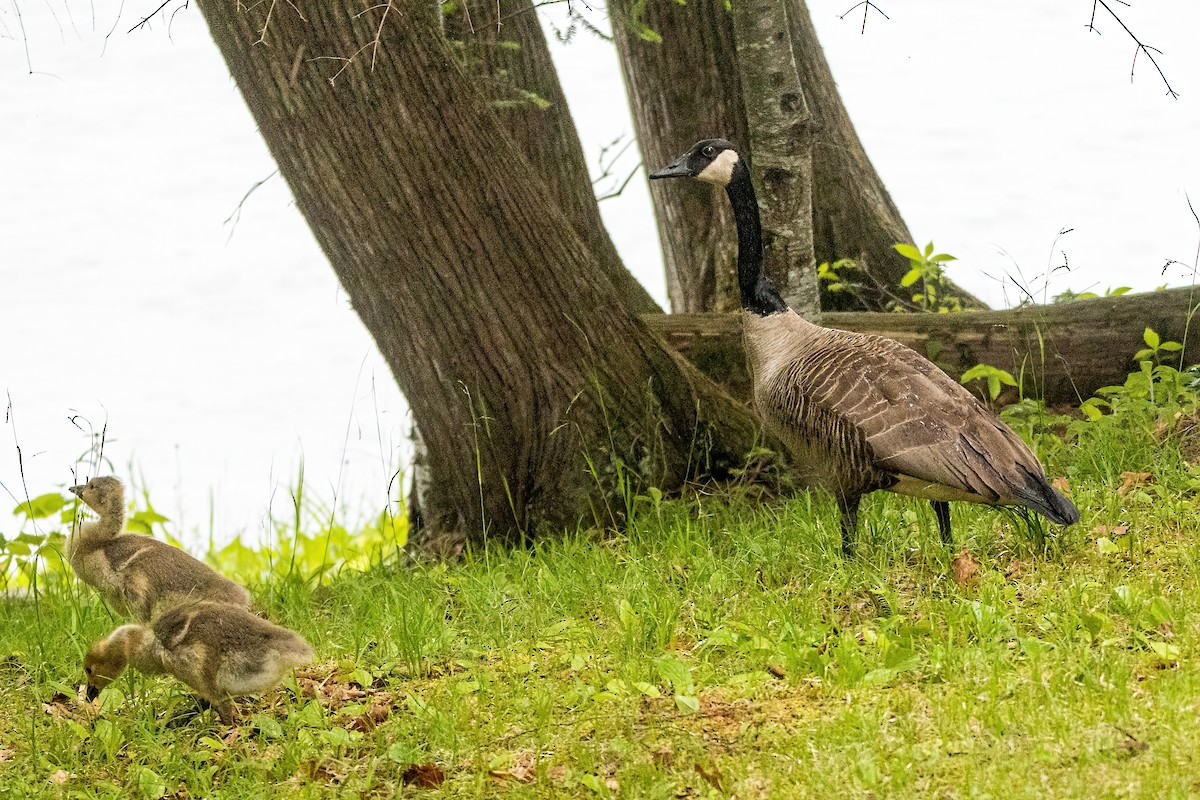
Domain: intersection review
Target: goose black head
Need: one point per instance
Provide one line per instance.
(710, 160)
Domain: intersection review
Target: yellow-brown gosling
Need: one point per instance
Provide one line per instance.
(221, 651)
(858, 412)
(138, 575)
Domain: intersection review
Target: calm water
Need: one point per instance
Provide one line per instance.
(220, 356)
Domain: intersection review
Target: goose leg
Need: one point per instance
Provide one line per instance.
(848, 505)
(942, 509)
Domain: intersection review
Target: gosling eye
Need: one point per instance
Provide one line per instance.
(709, 150)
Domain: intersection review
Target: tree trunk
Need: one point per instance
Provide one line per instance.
(689, 77)
(506, 50)
(1062, 353)
(678, 95)
(538, 395)
(781, 140)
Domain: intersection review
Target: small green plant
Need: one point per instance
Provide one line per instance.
(832, 276)
(927, 269)
(994, 377)
(1068, 295)
(1156, 347)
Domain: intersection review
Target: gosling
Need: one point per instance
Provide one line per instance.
(219, 650)
(138, 575)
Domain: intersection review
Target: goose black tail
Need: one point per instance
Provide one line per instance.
(1043, 498)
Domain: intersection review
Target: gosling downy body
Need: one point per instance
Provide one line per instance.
(138, 575)
(859, 412)
(221, 651)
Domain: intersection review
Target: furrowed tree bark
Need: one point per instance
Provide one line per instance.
(679, 94)
(1063, 353)
(536, 391)
(853, 215)
(507, 49)
(781, 140)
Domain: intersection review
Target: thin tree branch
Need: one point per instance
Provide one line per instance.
(867, 5)
(1141, 47)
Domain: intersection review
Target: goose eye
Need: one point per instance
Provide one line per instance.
(709, 150)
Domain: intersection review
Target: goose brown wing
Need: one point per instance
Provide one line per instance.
(917, 420)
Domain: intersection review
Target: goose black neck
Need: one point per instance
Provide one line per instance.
(758, 294)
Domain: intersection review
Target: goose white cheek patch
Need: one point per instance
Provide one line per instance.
(720, 171)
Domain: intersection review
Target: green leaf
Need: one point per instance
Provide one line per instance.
(1170, 346)
(943, 257)
(1165, 651)
(908, 251)
(993, 383)
(675, 672)
(928, 250)
(687, 704)
(1151, 338)
(41, 506)
(151, 784)
(911, 277)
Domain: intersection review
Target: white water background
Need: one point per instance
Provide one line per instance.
(218, 356)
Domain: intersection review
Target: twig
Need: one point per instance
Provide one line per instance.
(236, 214)
(867, 6)
(146, 19)
(1141, 47)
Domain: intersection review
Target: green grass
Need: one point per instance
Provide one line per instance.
(715, 648)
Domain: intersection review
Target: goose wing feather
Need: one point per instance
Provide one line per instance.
(917, 420)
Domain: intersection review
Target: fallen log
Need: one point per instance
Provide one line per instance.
(1062, 353)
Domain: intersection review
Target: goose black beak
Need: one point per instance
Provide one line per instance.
(676, 169)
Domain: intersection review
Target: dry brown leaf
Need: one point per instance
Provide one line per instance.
(5, 755)
(1132, 480)
(426, 776)
(557, 774)
(663, 756)
(965, 569)
(61, 776)
(524, 770)
(1062, 484)
(369, 719)
(776, 670)
(1110, 530)
(1016, 569)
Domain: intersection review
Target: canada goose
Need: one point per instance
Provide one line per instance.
(138, 575)
(221, 651)
(861, 412)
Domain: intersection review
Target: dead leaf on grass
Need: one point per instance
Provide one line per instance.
(369, 719)
(663, 756)
(61, 776)
(523, 770)
(557, 774)
(426, 776)
(1017, 568)
(59, 706)
(1062, 484)
(965, 569)
(1110, 530)
(1133, 480)
(776, 670)
(5, 755)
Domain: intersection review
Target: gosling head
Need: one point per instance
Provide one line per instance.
(710, 160)
(107, 658)
(105, 496)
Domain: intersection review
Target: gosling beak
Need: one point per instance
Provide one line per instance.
(91, 693)
(76, 490)
(676, 169)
